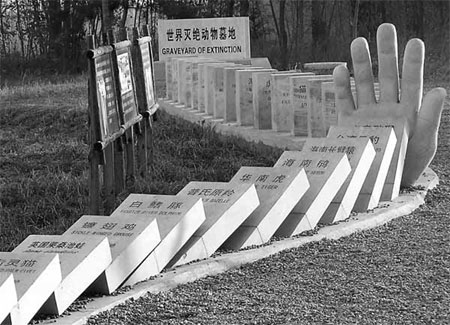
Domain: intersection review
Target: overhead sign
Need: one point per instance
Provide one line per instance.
(227, 38)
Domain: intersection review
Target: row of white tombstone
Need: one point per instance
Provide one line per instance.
(253, 94)
(322, 182)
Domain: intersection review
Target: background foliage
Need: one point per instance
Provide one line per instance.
(47, 36)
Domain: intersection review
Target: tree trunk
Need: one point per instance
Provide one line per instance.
(230, 8)
(19, 29)
(106, 17)
(244, 8)
(355, 19)
(283, 36)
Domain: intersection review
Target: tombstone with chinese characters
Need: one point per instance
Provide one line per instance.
(281, 109)
(219, 105)
(316, 124)
(36, 277)
(178, 217)
(329, 111)
(279, 190)
(8, 296)
(202, 84)
(360, 153)
(244, 96)
(210, 85)
(195, 81)
(227, 206)
(391, 187)
(131, 241)
(298, 86)
(83, 259)
(383, 140)
(326, 174)
(229, 80)
(261, 100)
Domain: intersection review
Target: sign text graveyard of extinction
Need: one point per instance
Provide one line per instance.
(211, 37)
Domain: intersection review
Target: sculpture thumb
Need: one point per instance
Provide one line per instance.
(423, 144)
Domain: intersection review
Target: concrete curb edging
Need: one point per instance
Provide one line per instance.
(387, 211)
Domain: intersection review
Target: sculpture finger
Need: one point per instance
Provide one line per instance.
(412, 75)
(423, 144)
(387, 63)
(343, 94)
(362, 67)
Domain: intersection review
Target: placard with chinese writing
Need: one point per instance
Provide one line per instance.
(178, 218)
(391, 187)
(106, 96)
(147, 63)
(316, 124)
(126, 84)
(36, 277)
(244, 96)
(83, 259)
(224, 38)
(299, 102)
(384, 141)
(227, 206)
(8, 296)
(360, 153)
(279, 190)
(282, 111)
(131, 240)
(326, 174)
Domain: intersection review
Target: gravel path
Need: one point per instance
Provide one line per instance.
(395, 274)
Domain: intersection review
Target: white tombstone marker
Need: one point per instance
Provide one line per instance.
(227, 206)
(83, 259)
(282, 111)
(383, 140)
(299, 101)
(8, 296)
(329, 111)
(178, 219)
(391, 187)
(316, 123)
(279, 190)
(36, 277)
(326, 174)
(361, 154)
(131, 240)
(210, 85)
(244, 96)
(230, 90)
(262, 100)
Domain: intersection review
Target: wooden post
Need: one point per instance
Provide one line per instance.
(94, 155)
(108, 179)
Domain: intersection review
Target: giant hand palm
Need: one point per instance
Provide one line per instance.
(422, 118)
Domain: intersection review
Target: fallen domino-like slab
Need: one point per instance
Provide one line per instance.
(36, 277)
(83, 259)
(326, 174)
(227, 206)
(384, 141)
(360, 153)
(279, 190)
(8, 296)
(178, 218)
(131, 240)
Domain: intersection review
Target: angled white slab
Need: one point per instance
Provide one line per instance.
(391, 187)
(361, 154)
(178, 218)
(83, 259)
(282, 111)
(36, 277)
(384, 141)
(316, 125)
(230, 91)
(131, 240)
(244, 96)
(227, 206)
(279, 190)
(326, 174)
(8, 296)
(299, 101)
